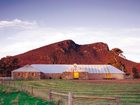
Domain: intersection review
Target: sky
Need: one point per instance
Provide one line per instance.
(29, 24)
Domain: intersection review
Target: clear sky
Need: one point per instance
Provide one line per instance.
(28, 24)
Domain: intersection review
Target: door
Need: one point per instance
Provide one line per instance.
(76, 75)
(108, 76)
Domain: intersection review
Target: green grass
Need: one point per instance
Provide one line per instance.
(8, 96)
(128, 92)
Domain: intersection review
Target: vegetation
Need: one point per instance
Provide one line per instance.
(127, 91)
(7, 64)
(116, 63)
(9, 96)
(117, 51)
(135, 73)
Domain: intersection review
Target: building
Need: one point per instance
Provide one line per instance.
(27, 73)
(52, 71)
(94, 72)
(62, 71)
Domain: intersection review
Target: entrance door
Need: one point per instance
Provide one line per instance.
(108, 76)
(76, 75)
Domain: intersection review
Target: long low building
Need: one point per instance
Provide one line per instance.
(62, 71)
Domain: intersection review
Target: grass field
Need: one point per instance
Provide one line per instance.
(9, 96)
(128, 91)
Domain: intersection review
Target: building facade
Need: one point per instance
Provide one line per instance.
(26, 73)
(59, 71)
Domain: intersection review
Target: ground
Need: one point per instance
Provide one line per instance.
(9, 96)
(127, 90)
(129, 81)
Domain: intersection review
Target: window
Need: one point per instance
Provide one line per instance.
(33, 74)
(18, 74)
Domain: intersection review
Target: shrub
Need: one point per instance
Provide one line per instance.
(135, 73)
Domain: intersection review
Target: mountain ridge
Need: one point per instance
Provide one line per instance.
(68, 52)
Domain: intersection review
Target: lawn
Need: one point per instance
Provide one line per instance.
(9, 96)
(128, 91)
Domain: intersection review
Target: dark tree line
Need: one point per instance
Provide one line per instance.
(7, 64)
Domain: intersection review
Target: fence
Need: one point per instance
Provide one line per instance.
(71, 97)
(32, 90)
(5, 78)
(63, 98)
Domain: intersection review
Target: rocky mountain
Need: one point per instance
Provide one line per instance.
(68, 52)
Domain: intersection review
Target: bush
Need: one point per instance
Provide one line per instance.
(135, 73)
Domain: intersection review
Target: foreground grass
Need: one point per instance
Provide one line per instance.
(9, 96)
(128, 92)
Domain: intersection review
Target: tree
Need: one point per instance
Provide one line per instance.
(7, 64)
(135, 72)
(115, 61)
(117, 51)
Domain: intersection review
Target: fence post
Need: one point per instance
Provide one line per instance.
(14, 84)
(32, 90)
(50, 95)
(9, 83)
(2, 82)
(70, 99)
(21, 88)
(117, 100)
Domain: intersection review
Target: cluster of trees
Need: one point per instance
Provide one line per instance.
(113, 60)
(7, 64)
(118, 64)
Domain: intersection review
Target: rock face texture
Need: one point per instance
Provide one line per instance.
(68, 52)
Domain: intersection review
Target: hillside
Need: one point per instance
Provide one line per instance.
(68, 52)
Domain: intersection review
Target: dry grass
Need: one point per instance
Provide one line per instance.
(128, 90)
